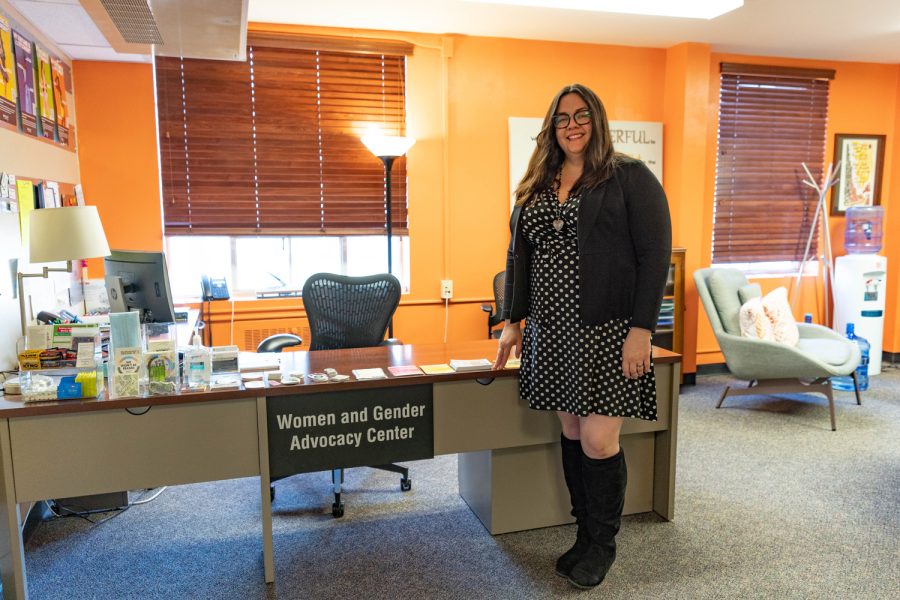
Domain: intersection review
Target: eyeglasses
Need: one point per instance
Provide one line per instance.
(582, 117)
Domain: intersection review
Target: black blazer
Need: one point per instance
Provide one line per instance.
(624, 251)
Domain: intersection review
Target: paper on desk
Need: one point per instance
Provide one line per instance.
(369, 374)
(405, 370)
(437, 369)
(263, 361)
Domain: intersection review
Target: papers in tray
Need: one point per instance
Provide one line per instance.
(474, 364)
(405, 370)
(437, 369)
(362, 374)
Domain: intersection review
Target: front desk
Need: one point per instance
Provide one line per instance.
(509, 471)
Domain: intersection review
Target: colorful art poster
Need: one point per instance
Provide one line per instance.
(46, 109)
(60, 100)
(25, 83)
(7, 74)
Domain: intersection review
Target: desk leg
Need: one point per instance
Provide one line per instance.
(665, 451)
(264, 493)
(12, 550)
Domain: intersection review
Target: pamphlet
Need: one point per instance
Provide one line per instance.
(264, 361)
(362, 374)
(437, 369)
(475, 364)
(405, 370)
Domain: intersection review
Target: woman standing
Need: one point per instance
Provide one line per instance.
(587, 265)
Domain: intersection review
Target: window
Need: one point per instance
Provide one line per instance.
(772, 120)
(262, 161)
(254, 264)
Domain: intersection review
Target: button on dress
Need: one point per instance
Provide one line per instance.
(567, 365)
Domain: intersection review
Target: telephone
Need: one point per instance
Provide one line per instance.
(214, 289)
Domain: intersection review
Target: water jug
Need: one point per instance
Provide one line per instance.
(863, 229)
(845, 384)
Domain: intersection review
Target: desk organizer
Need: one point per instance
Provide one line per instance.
(66, 383)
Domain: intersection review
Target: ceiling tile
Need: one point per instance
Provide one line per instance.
(64, 23)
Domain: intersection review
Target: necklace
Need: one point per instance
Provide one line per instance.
(558, 221)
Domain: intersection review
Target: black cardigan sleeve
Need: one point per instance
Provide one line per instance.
(509, 280)
(651, 234)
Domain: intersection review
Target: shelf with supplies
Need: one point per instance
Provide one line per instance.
(670, 325)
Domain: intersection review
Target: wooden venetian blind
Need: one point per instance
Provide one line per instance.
(771, 120)
(272, 146)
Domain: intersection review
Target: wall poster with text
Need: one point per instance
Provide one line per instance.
(25, 83)
(44, 81)
(59, 99)
(7, 74)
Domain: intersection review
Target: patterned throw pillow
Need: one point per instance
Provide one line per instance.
(754, 321)
(778, 309)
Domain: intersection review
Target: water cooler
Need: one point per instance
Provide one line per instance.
(860, 281)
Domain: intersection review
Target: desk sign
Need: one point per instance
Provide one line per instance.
(318, 432)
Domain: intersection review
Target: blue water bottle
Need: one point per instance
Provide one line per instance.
(845, 384)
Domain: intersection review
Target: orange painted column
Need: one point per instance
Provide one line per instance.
(890, 199)
(117, 152)
(686, 94)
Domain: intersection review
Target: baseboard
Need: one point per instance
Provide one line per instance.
(713, 369)
(890, 357)
(688, 379)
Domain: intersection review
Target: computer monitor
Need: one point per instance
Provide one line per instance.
(139, 281)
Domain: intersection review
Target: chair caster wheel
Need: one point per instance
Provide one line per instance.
(405, 484)
(337, 510)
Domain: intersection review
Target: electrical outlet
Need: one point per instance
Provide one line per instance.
(446, 288)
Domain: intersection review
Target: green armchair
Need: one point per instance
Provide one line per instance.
(772, 367)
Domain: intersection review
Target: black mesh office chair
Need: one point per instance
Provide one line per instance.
(495, 312)
(351, 312)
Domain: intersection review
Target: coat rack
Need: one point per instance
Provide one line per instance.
(830, 179)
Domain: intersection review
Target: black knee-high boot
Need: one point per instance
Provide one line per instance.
(572, 470)
(604, 484)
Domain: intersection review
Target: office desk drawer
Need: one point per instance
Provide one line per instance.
(102, 451)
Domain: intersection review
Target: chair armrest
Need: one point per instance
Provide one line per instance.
(391, 342)
(813, 331)
(488, 308)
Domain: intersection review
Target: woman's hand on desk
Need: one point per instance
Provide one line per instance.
(509, 339)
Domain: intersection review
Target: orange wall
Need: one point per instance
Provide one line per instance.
(461, 90)
(117, 152)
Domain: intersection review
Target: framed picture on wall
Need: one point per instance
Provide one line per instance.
(859, 184)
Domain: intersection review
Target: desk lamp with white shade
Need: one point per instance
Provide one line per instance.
(62, 234)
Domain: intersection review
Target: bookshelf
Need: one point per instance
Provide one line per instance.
(670, 326)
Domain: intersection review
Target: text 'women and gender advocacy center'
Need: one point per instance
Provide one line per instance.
(317, 432)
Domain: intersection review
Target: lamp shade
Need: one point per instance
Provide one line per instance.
(67, 233)
(387, 145)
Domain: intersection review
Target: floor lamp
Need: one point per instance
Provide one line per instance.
(61, 234)
(387, 148)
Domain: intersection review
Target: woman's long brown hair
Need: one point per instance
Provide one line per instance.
(547, 158)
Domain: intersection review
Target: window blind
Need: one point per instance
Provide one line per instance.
(771, 120)
(271, 146)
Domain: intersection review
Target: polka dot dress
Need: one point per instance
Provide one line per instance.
(567, 365)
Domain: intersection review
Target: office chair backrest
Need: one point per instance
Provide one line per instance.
(499, 291)
(349, 312)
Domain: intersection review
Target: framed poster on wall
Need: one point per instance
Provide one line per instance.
(861, 158)
(7, 74)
